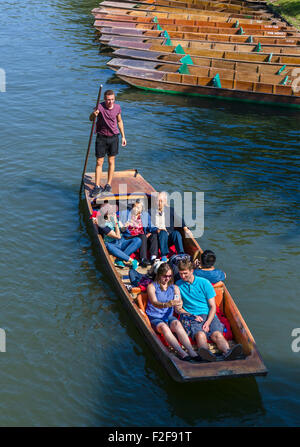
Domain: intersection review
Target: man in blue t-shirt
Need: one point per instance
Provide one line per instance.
(198, 314)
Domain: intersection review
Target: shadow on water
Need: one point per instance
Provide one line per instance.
(191, 403)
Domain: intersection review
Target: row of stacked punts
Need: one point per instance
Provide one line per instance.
(234, 50)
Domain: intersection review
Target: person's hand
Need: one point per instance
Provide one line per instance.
(158, 231)
(172, 303)
(198, 318)
(196, 263)
(205, 327)
(187, 232)
(124, 142)
(96, 113)
(148, 234)
(94, 220)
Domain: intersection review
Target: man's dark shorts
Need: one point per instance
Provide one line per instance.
(106, 145)
(192, 326)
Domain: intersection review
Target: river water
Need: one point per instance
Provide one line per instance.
(73, 356)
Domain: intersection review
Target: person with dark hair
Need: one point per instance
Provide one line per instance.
(109, 123)
(116, 244)
(164, 296)
(205, 268)
(137, 222)
(198, 314)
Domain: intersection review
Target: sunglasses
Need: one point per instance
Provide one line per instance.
(166, 276)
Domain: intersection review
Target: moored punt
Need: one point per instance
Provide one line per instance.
(249, 364)
(234, 90)
(194, 14)
(201, 5)
(199, 61)
(215, 54)
(190, 46)
(198, 36)
(150, 17)
(242, 12)
(257, 73)
(208, 21)
(206, 27)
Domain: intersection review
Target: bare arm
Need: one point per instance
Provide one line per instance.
(212, 313)
(121, 128)
(153, 300)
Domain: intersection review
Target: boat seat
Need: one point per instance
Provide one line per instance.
(142, 299)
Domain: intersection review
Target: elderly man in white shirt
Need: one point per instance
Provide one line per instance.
(164, 219)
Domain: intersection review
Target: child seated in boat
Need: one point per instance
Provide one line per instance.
(137, 222)
(164, 220)
(205, 268)
(163, 296)
(198, 314)
(116, 244)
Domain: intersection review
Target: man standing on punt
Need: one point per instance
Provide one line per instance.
(109, 123)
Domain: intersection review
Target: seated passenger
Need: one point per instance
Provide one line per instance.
(163, 297)
(116, 244)
(164, 220)
(198, 314)
(137, 223)
(205, 269)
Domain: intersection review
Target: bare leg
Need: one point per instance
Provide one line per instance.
(201, 340)
(111, 169)
(164, 329)
(98, 171)
(177, 327)
(220, 341)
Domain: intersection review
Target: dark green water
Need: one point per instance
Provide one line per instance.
(73, 355)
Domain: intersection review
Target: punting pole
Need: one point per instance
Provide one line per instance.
(90, 140)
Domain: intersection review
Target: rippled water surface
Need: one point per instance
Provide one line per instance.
(73, 356)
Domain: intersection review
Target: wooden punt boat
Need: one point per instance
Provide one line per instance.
(194, 14)
(214, 54)
(198, 37)
(101, 13)
(194, 61)
(257, 74)
(206, 21)
(119, 7)
(190, 46)
(250, 364)
(206, 27)
(203, 5)
(229, 89)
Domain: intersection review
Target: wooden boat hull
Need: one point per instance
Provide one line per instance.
(205, 71)
(154, 81)
(294, 60)
(190, 45)
(175, 59)
(284, 37)
(251, 365)
(206, 21)
(119, 7)
(204, 5)
(191, 14)
(288, 45)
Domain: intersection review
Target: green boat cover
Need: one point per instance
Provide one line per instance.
(216, 81)
(184, 69)
(281, 70)
(257, 49)
(187, 60)
(179, 49)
